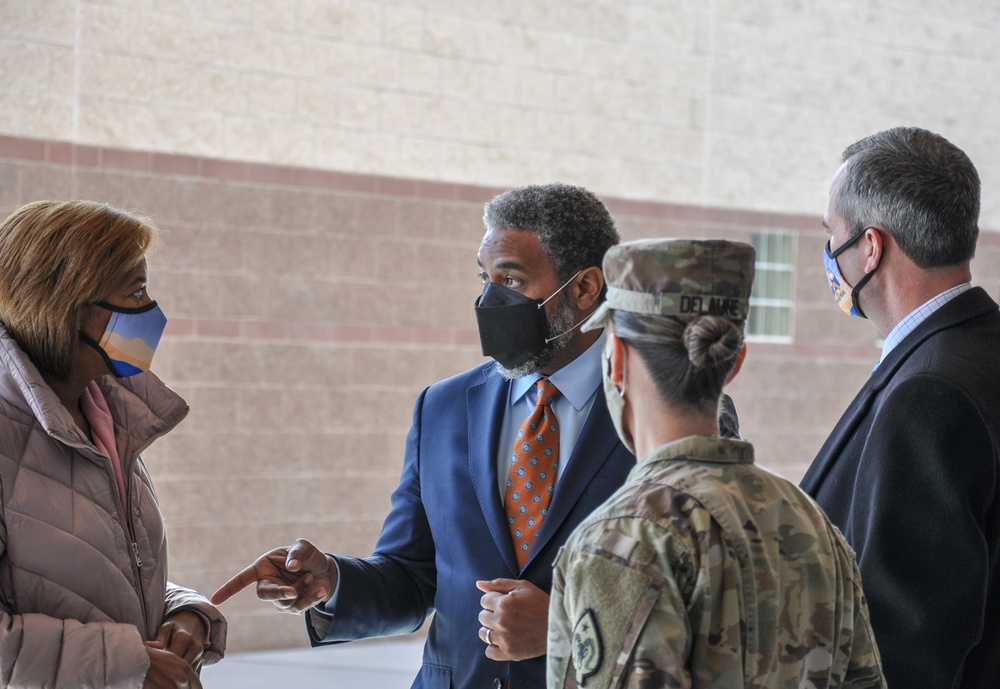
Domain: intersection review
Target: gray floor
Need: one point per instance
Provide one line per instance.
(361, 665)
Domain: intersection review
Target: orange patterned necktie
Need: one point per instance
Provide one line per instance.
(533, 472)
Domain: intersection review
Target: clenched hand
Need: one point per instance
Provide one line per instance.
(517, 613)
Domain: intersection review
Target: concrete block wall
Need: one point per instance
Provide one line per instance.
(305, 318)
(309, 308)
(319, 169)
(726, 103)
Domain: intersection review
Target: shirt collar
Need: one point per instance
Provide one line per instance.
(576, 381)
(918, 316)
(698, 448)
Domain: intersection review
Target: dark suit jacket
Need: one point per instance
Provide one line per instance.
(447, 529)
(910, 475)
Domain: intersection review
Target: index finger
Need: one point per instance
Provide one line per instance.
(239, 582)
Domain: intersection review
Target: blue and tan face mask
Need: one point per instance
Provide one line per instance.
(846, 296)
(131, 338)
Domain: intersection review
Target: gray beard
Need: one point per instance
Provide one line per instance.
(561, 322)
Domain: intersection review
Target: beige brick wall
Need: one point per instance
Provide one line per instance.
(732, 103)
(309, 308)
(320, 167)
(304, 320)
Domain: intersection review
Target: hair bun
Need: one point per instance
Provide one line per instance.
(711, 340)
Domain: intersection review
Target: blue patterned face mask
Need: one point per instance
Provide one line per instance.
(131, 338)
(845, 295)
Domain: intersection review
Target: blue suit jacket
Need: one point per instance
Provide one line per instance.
(911, 475)
(447, 529)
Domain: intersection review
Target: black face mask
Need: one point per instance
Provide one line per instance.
(512, 327)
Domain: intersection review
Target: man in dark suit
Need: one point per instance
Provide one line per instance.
(911, 473)
(448, 545)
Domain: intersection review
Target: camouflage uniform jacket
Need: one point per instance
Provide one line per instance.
(705, 570)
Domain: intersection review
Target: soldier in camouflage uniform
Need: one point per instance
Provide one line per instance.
(703, 570)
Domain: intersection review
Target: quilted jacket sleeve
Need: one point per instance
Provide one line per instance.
(41, 651)
(180, 598)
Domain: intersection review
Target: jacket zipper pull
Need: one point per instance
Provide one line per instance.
(135, 549)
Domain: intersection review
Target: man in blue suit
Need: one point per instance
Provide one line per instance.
(447, 546)
(911, 473)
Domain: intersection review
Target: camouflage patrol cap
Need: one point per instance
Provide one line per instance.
(677, 277)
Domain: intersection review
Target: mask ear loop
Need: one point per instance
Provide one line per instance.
(564, 334)
(856, 292)
(93, 344)
(575, 325)
(561, 288)
(857, 289)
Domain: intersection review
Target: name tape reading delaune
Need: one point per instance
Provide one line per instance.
(718, 306)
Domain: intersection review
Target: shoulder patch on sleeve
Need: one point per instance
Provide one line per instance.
(588, 649)
(610, 601)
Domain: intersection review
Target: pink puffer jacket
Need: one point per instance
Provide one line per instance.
(82, 584)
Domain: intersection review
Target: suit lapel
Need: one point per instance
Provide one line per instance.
(597, 441)
(487, 402)
(971, 304)
(842, 432)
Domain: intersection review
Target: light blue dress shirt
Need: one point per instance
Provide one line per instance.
(577, 382)
(918, 316)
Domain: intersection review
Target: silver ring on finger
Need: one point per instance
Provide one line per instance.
(489, 641)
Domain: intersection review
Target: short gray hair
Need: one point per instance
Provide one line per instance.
(920, 187)
(572, 224)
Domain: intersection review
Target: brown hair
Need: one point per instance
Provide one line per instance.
(55, 257)
(688, 361)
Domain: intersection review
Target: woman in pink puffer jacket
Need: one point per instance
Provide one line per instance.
(84, 600)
